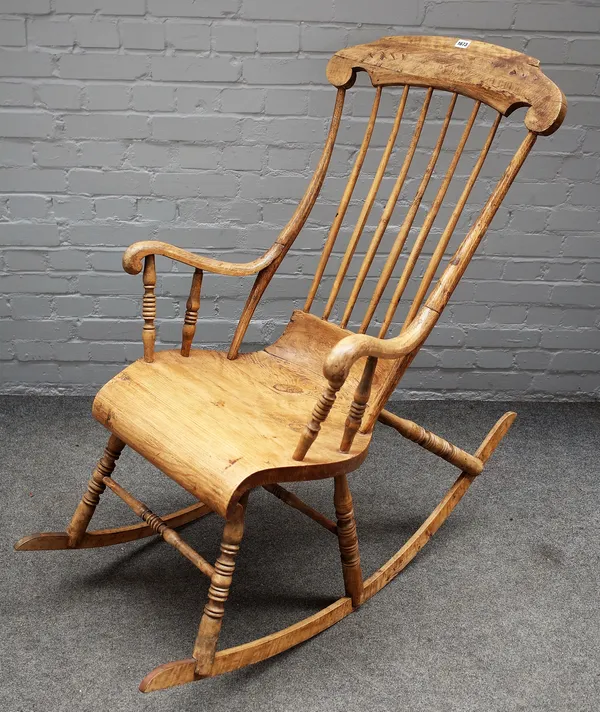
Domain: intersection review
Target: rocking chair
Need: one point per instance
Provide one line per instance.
(220, 424)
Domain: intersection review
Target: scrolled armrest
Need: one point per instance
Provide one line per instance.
(134, 256)
(347, 351)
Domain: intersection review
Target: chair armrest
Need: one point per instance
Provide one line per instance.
(135, 254)
(347, 351)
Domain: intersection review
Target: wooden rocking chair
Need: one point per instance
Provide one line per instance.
(221, 424)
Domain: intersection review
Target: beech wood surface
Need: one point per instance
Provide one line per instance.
(303, 408)
(220, 427)
(46, 541)
(501, 78)
(180, 672)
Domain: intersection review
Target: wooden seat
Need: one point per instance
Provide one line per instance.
(219, 426)
(305, 407)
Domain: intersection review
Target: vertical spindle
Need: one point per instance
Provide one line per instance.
(149, 308)
(191, 313)
(359, 404)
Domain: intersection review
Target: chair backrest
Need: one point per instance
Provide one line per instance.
(489, 75)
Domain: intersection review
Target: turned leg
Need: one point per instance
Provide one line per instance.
(348, 540)
(89, 501)
(210, 625)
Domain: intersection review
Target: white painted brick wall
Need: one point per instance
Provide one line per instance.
(199, 122)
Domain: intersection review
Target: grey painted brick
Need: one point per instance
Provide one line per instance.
(60, 96)
(28, 206)
(574, 361)
(206, 157)
(583, 50)
(107, 125)
(103, 154)
(115, 208)
(153, 98)
(16, 154)
(16, 94)
(192, 99)
(12, 32)
(106, 97)
(25, 180)
(149, 154)
(44, 330)
(193, 8)
(192, 128)
(233, 38)
(556, 16)
(68, 260)
(314, 38)
(26, 125)
(243, 158)
(188, 35)
(20, 233)
(119, 307)
(547, 49)
(51, 33)
(281, 70)
(231, 182)
(34, 350)
(291, 10)
(22, 63)
(286, 101)
(55, 154)
(27, 307)
(194, 69)
(571, 339)
(466, 14)
(95, 65)
(113, 234)
(83, 180)
(192, 184)
(73, 207)
(142, 35)
(278, 38)
(576, 295)
(242, 101)
(108, 7)
(33, 284)
(156, 209)
(71, 351)
(31, 7)
(75, 306)
(566, 219)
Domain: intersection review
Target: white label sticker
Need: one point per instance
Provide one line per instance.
(463, 44)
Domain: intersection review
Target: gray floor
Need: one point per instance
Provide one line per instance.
(498, 612)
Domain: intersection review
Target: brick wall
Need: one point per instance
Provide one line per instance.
(199, 122)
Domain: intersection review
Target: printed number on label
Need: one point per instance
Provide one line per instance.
(463, 44)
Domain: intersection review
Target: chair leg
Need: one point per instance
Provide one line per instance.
(348, 540)
(87, 506)
(218, 592)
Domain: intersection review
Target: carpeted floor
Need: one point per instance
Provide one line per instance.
(499, 612)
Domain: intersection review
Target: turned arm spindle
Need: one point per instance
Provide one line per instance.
(149, 308)
(319, 414)
(359, 404)
(191, 313)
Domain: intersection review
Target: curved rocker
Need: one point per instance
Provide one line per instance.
(45, 541)
(180, 672)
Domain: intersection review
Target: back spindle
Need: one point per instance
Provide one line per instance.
(407, 224)
(191, 313)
